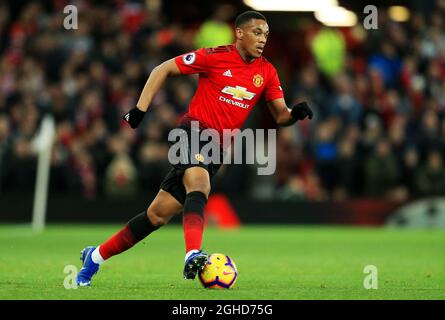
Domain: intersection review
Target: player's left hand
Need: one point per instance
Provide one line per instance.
(301, 110)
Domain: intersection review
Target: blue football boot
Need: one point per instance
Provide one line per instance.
(89, 268)
(195, 263)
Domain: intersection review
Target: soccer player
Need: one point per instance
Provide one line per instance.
(232, 78)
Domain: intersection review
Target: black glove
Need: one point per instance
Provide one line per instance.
(134, 117)
(301, 110)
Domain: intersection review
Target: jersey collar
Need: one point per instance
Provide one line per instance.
(241, 57)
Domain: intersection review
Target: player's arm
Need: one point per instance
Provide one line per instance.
(155, 81)
(286, 117)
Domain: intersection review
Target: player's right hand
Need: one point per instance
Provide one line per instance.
(134, 117)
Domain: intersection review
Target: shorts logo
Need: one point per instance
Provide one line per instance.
(189, 58)
(199, 157)
(258, 80)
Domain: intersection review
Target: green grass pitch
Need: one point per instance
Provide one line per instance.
(274, 262)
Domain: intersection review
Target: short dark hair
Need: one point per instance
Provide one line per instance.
(247, 16)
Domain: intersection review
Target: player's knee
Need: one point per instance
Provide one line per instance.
(197, 179)
(156, 217)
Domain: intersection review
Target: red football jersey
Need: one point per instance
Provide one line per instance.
(228, 86)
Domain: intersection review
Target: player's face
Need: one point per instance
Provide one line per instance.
(253, 36)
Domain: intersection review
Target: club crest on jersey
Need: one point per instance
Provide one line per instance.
(189, 58)
(258, 80)
(238, 93)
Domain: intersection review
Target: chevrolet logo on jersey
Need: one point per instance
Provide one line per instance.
(238, 93)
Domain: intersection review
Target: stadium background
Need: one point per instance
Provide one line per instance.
(375, 146)
(378, 95)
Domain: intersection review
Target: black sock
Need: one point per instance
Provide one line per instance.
(141, 226)
(195, 202)
(193, 220)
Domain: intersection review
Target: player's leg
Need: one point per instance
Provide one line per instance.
(196, 181)
(159, 213)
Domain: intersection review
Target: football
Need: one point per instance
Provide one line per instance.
(219, 272)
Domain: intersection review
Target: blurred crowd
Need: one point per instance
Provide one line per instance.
(379, 129)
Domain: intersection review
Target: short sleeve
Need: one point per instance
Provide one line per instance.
(273, 87)
(192, 62)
